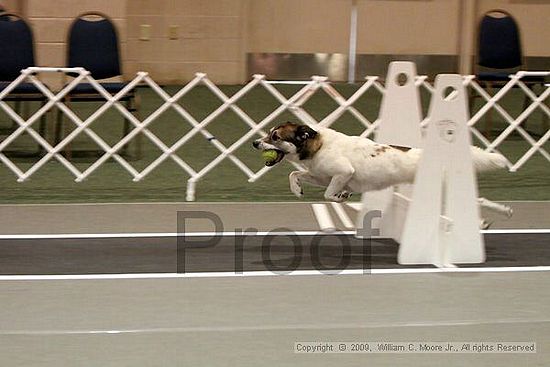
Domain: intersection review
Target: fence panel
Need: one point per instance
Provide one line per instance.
(293, 104)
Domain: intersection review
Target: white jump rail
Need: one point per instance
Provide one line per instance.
(294, 104)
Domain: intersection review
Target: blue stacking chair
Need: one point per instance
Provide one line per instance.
(93, 44)
(500, 54)
(17, 53)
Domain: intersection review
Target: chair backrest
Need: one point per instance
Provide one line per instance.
(93, 45)
(16, 46)
(499, 45)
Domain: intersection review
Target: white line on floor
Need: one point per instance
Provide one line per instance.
(273, 274)
(165, 234)
(517, 231)
(224, 234)
(269, 327)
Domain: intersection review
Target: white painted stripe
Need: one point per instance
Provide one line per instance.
(517, 231)
(342, 215)
(167, 234)
(271, 274)
(267, 327)
(323, 217)
(83, 236)
(496, 269)
(224, 234)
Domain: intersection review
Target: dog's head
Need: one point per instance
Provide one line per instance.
(288, 138)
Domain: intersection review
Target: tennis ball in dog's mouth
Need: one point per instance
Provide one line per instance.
(269, 155)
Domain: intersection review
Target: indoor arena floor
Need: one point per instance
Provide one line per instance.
(93, 285)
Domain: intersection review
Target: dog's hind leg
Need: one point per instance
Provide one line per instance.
(495, 207)
(501, 209)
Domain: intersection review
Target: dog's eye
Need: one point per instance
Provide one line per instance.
(274, 136)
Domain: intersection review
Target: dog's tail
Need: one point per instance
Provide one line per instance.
(485, 161)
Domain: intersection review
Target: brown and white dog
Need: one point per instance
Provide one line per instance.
(345, 164)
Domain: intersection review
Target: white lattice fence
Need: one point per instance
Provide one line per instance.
(493, 102)
(293, 104)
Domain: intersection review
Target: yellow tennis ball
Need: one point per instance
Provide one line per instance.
(269, 155)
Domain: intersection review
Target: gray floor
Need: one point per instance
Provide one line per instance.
(150, 217)
(251, 321)
(255, 321)
(162, 217)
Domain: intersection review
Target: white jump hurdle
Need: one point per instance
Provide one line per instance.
(436, 221)
(401, 113)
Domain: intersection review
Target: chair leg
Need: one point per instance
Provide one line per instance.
(58, 127)
(471, 101)
(42, 129)
(68, 151)
(489, 117)
(133, 105)
(126, 128)
(545, 122)
(525, 105)
(59, 131)
(25, 110)
(17, 109)
(138, 140)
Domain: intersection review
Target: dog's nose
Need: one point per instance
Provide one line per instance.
(256, 144)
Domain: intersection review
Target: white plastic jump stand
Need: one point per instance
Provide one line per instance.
(400, 115)
(442, 224)
(401, 110)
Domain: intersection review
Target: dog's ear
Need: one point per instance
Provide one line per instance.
(304, 133)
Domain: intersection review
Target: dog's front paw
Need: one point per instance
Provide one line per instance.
(345, 195)
(339, 197)
(295, 186)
